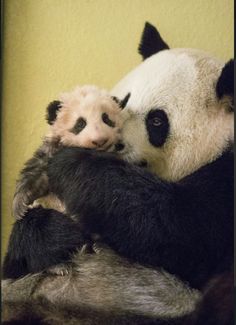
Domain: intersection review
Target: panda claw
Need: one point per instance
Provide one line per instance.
(100, 248)
(60, 269)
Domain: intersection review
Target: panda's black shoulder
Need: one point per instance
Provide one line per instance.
(222, 168)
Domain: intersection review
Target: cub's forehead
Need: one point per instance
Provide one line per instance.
(88, 99)
(169, 76)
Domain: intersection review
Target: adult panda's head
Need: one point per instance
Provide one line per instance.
(182, 108)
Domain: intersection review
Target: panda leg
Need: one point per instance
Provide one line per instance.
(42, 239)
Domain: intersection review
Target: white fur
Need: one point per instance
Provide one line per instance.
(182, 83)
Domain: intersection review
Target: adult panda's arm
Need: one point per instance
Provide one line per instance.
(42, 239)
(185, 227)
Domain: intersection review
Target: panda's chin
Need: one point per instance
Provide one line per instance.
(133, 159)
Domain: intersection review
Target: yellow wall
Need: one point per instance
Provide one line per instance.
(52, 45)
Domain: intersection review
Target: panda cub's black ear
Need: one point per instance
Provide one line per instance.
(151, 42)
(123, 102)
(52, 110)
(225, 83)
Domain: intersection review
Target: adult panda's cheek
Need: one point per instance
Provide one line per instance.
(133, 132)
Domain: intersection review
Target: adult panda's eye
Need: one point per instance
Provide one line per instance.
(156, 121)
(157, 125)
(79, 125)
(106, 120)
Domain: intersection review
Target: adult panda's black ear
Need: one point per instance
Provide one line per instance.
(225, 83)
(123, 102)
(151, 41)
(52, 110)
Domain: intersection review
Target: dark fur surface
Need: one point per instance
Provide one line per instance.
(225, 84)
(157, 125)
(217, 305)
(51, 239)
(138, 215)
(33, 180)
(52, 111)
(149, 220)
(151, 41)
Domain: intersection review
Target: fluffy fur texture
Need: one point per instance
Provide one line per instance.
(90, 103)
(149, 220)
(179, 217)
(201, 126)
(86, 117)
(50, 240)
(110, 298)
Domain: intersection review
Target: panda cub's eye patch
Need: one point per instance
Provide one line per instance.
(106, 120)
(79, 125)
(157, 125)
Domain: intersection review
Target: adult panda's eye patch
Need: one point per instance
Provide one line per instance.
(79, 125)
(157, 125)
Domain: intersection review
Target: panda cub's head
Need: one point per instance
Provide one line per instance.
(182, 110)
(87, 117)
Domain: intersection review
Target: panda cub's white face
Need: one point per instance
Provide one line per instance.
(177, 123)
(88, 118)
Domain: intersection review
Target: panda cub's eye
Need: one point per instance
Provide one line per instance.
(79, 125)
(106, 120)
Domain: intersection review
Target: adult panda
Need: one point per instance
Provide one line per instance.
(181, 128)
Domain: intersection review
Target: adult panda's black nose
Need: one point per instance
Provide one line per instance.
(119, 146)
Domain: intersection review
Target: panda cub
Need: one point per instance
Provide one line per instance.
(87, 117)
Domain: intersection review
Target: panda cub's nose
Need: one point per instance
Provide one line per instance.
(100, 142)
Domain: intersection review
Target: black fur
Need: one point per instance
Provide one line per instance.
(225, 84)
(107, 120)
(80, 124)
(141, 217)
(217, 305)
(25, 321)
(52, 110)
(157, 125)
(151, 42)
(33, 181)
(43, 238)
(123, 102)
(150, 221)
